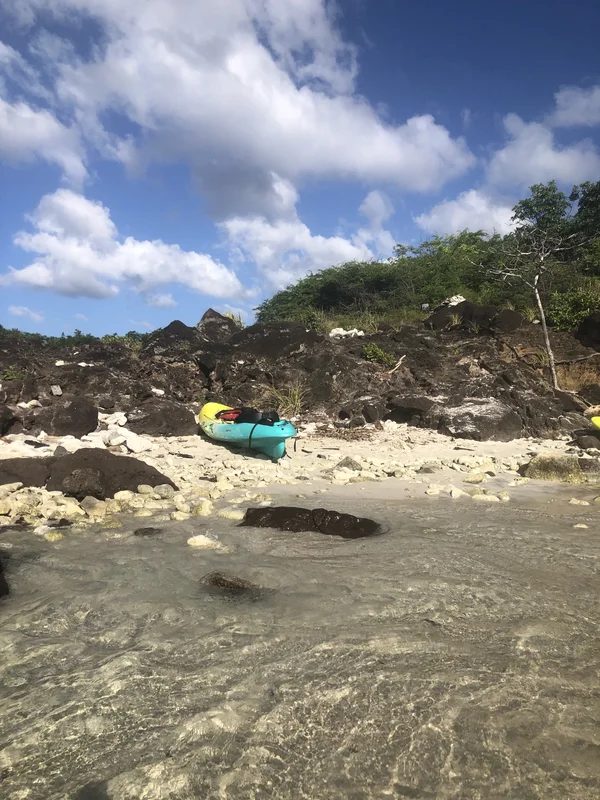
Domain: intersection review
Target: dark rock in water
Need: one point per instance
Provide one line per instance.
(147, 531)
(231, 585)
(86, 482)
(4, 590)
(215, 327)
(73, 416)
(97, 790)
(28, 471)
(60, 523)
(34, 443)
(101, 474)
(7, 418)
(297, 520)
(160, 417)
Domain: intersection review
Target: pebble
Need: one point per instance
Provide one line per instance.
(53, 536)
(486, 498)
(206, 543)
(143, 488)
(581, 525)
(143, 512)
(575, 502)
(205, 509)
(477, 477)
(457, 493)
(164, 491)
(179, 516)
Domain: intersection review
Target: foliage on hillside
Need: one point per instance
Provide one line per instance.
(132, 339)
(460, 264)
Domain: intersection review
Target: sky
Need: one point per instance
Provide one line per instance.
(160, 157)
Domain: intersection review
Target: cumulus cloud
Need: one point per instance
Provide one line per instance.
(532, 155)
(78, 253)
(576, 106)
(27, 134)
(23, 311)
(285, 250)
(474, 209)
(250, 93)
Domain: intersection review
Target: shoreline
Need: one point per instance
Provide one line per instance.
(397, 464)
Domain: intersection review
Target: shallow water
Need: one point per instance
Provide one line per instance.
(457, 656)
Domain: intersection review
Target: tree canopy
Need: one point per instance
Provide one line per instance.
(462, 263)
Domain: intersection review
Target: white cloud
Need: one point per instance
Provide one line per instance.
(81, 317)
(250, 93)
(160, 300)
(285, 250)
(466, 116)
(474, 209)
(23, 311)
(27, 135)
(532, 155)
(78, 254)
(576, 106)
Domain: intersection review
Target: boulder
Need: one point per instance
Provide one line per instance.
(161, 417)
(273, 340)
(507, 321)
(565, 469)
(215, 327)
(297, 520)
(480, 419)
(464, 315)
(230, 585)
(74, 416)
(588, 442)
(101, 474)
(28, 471)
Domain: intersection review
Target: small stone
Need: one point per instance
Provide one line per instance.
(179, 516)
(143, 488)
(164, 491)
(581, 525)
(456, 493)
(231, 513)
(93, 507)
(477, 477)
(486, 498)
(575, 502)
(53, 536)
(147, 531)
(181, 504)
(349, 463)
(206, 543)
(56, 390)
(504, 496)
(432, 492)
(124, 496)
(205, 509)
(143, 512)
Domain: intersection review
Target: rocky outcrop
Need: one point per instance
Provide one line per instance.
(489, 360)
(588, 331)
(162, 417)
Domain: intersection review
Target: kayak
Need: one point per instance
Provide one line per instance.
(264, 438)
(596, 421)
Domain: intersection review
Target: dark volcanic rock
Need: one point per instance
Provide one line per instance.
(73, 416)
(412, 408)
(274, 339)
(86, 482)
(28, 471)
(588, 331)
(147, 531)
(588, 442)
(480, 419)
(215, 327)
(160, 417)
(100, 474)
(7, 419)
(463, 315)
(230, 585)
(297, 520)
(507, 321)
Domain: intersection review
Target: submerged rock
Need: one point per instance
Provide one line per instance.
(231, 585)
(3, 584)
(297, 520)
(147, 531)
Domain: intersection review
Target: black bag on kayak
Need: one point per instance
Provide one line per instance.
(248, 414)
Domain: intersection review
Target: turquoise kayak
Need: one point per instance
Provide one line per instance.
(267, 439)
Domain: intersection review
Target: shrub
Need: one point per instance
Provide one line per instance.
(372, 352)
(288, 399)
(13, 373)
(567, 309)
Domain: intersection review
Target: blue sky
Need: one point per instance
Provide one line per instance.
(158, 157)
